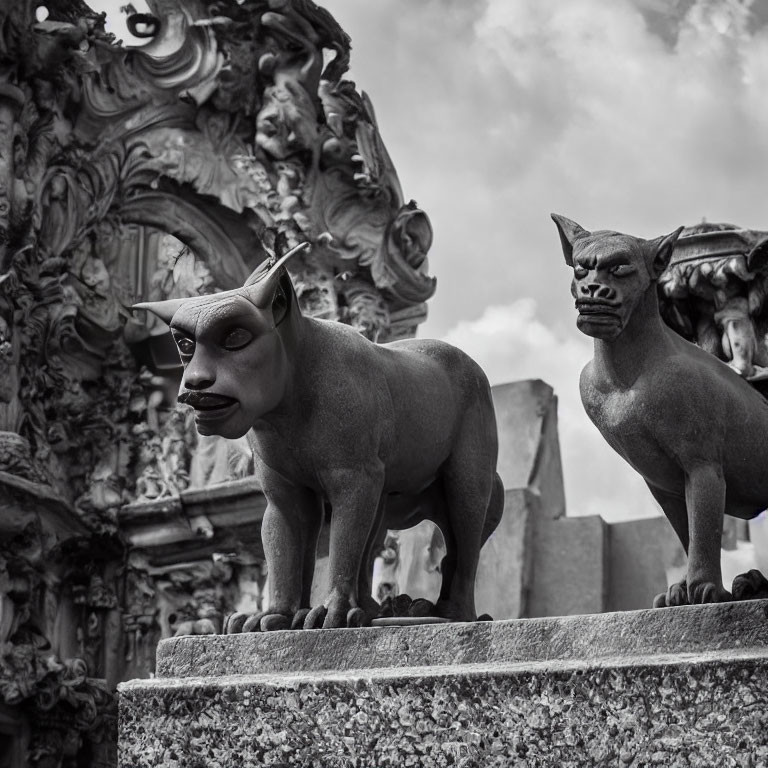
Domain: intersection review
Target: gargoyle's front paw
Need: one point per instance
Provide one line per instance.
(707, 592)
(339, 608)
(421, 607)
(677, 594)
(356, 617)
(751, 585)
(267, 621)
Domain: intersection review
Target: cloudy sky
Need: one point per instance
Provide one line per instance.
(634, 115)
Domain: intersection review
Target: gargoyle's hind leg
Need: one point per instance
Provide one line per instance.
(364, 597)
(474, 497)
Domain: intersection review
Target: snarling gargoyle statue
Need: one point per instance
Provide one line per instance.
(387, 434)
(686, 421)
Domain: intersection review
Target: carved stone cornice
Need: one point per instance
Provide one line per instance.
(197, 523)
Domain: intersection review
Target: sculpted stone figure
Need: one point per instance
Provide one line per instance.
(693, 428)
(387, 434)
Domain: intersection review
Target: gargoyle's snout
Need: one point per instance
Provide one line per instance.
(595, 291)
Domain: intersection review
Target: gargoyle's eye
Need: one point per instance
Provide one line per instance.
(580, 272)
(185, 344)
(622, 270)
(237, 338)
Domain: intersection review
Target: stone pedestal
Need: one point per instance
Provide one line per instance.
(674, 687)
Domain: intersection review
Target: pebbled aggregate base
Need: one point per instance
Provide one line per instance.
(705, 708)
(701, 714)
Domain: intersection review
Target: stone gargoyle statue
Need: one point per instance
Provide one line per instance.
(686, 421)
(388, 435)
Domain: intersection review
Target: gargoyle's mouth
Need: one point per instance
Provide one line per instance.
(206, 401)
(596, 307)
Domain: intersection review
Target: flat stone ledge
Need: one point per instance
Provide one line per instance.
(638, 635)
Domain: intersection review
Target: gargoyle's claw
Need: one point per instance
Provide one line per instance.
(421, 607)
(401, 604)
(253, 623)
(233, 624)
(355, 617)
(677, 594)
(708, 592)
(274, 621)
(315, 618)
(751, 585)
(299, 617)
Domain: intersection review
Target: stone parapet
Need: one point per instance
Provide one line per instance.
(676, 687)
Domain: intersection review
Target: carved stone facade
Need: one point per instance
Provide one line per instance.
(714, 294)
(131, 174)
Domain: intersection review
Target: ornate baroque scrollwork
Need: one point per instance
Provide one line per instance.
(714, 293)
(144, 173)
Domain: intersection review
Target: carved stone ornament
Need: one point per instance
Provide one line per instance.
(152, 173)
(689, 424)
(714, 293)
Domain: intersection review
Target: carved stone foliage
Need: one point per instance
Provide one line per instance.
(55, 608)
(226, 130)
(145, 173)
(714, 293)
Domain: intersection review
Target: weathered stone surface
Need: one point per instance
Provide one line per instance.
(569, 566)
(692, 629)
(675, 687)
(639, 553)
(530, 467)
(529, 451)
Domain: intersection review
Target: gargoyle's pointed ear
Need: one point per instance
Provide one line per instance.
(263, 281)
(661, 250)
(569, 232)
(165, 310)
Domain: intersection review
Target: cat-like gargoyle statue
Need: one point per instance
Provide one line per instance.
(689, 424)
(387, 434)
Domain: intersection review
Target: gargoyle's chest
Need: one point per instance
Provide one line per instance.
(627, 420)
(614, 412)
